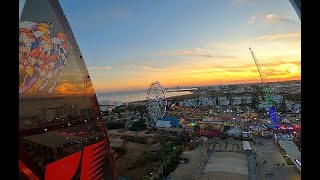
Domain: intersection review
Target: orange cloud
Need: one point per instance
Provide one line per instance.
(209, 75)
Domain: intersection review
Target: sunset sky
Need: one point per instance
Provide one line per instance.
(128, 44)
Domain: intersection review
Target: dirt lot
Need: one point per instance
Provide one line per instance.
(135, 152)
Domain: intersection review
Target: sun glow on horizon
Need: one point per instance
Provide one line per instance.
(293, 70)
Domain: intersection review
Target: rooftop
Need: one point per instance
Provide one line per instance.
(291, 149)
(226, 165)
(52, 139)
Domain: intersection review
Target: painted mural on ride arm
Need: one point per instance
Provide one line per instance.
(42, 56)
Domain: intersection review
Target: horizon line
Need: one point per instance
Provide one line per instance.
(195, 86)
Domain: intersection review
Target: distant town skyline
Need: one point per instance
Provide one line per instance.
(199, 86)
(129, 44)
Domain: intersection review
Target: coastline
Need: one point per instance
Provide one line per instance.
(135, 97)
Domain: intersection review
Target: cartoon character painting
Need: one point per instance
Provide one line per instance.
(40, 56)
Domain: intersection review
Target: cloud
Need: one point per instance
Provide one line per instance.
(281, 63)
(278, 69)
(190, 52)
(99, 67)
(274, 18)
(279, 36)
(144, 68)
(252, 67)
(198, 52)
(272, 72)
(252, 20)
(242, 72)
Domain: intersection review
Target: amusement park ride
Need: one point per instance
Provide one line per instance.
(272, 107)
(156, 102)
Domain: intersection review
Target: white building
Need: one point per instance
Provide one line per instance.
(223, 101)
(292, 105)
(263, 105)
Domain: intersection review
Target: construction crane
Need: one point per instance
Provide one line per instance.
(266, 90)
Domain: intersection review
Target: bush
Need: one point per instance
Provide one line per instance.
(120, 150)
(132, 167)
(196, 128)
(141, 140)
(119, 109)
(140, 108)
(173, 140)
(115, 125)
(138, 163)
(143, 178)
(288, 161)
(138, 126)
(224, 136)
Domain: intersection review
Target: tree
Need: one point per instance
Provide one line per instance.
(118, 109)
(138, 125)
(255, 101)
(120, 150)
(196, 128)
(104, 113)
(283, 106)
(224, 135)
(233, 108)
(115, 125)
(243, 101)
(226, 128)
(143, 178)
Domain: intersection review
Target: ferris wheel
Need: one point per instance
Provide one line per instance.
(156, 101)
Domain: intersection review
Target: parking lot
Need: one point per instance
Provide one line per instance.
(270, 152)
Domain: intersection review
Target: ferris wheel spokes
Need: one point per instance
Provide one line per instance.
(156, 101)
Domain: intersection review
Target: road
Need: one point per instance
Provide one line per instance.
(186, 171)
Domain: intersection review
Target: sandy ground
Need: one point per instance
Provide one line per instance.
(135, 152)
(114, 133)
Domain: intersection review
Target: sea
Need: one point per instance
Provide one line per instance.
(131, 96)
